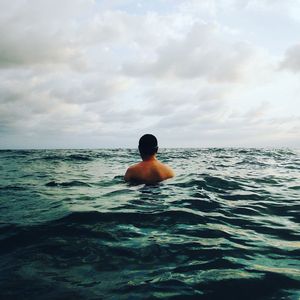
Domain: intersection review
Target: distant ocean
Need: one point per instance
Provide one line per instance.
(226, 227)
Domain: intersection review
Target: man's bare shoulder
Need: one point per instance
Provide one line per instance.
(131, 171)
(163, 165)
(168, 170)
(134, 167)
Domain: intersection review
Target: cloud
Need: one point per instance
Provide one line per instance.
(291, 60)
(35, 32)
(218, 129)
(100, 73)
(203, 52)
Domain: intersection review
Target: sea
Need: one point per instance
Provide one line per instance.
(226, 227)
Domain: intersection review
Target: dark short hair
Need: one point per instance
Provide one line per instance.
(148, 144)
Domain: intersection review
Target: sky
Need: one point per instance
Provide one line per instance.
(100, 73)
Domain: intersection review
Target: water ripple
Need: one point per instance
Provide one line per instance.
(227, 226)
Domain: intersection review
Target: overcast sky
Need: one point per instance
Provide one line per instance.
(93, 74)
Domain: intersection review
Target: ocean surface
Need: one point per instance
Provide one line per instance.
(226, 227)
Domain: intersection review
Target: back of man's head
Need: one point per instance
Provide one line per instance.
(148, 145)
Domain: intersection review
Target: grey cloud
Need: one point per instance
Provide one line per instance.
(39, 103)
(202, 53)
(37, 32)
(291, 60)
(168, 100)
(29, 48)
(84, 88)
(218, 129)
(197, 118)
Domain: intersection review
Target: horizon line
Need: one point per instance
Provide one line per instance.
(136, 148)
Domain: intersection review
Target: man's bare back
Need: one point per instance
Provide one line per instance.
(150, 170)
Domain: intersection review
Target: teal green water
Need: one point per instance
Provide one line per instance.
(226, 227)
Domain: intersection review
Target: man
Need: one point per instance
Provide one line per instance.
(150, 170)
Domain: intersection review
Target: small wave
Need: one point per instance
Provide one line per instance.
(79, 157)
(12, 187)
(170, 217)
(111, 182)
(245, 211)
(200, 183)
(74, 157)
(292, 167)
(221, 183)
(295, 187)
(118, 193)
(254, 163)
(242, 196)
(49, 157)
(66, 184)
(266, 179)
(198, 204)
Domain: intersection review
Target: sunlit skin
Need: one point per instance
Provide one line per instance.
(150, 170)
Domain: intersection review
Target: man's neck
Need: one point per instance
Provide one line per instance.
(149, 158)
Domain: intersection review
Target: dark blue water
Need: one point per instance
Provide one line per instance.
(227, 227)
